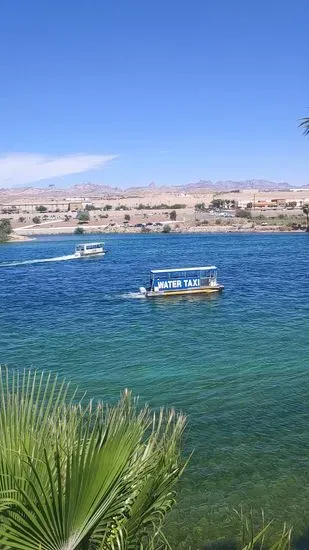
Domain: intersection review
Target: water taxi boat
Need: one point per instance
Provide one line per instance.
(89, 249)
(186, 280)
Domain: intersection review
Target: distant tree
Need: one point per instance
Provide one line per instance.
(166, 228)
(292, 204)
(122, 207)
(36, 219)
(83, 216)
(41, 208)
(306, 211)
(107, 207)
(173, 215)
(89, 207)
(178, 205)
(5, 230)
(200, 206)
(21, 219)
(79, 231)
(127, 217)
(218, 203)
(249, 204)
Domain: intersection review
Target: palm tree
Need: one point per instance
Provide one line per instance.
(83, 476)
(305, 125)
(306, 211)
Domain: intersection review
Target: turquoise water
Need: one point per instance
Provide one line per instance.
(236, 364)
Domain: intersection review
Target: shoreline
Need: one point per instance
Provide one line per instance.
(29, 234)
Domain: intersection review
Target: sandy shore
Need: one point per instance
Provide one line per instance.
(90, 230)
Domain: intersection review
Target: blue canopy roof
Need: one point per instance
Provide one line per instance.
(206, 268)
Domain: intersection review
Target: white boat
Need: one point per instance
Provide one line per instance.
(86, 250)
(184, 280)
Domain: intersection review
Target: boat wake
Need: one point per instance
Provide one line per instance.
(39, 261)
(134, 295)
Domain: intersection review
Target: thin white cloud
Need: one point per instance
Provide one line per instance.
(24, 168)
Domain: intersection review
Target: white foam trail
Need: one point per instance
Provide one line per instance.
(40, 261)
(133, 295)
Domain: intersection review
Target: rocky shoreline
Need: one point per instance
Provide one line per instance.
(27, 234)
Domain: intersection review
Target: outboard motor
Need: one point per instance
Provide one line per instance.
(143, 290)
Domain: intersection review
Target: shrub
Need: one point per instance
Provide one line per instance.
(36, 219)
(200, 206)
(122, 207)
(83, 216)
(173, 215)
(166, 228)
(107, 207)
(89, 207)
(79, 231)
(41, 208)
(5, 230)
(21, 219)
(243, 214)
(145, 229)
(127, 217)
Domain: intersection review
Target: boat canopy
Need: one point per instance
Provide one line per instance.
(89, 246)
(180, 269)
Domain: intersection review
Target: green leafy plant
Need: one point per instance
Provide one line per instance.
(254, 539)
(36, 219)
(79, 231)
(304, 124)
(5, 230)
(85, 476)
(83, 216)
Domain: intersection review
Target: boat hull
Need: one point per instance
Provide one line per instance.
(204, 290)
(90, 255)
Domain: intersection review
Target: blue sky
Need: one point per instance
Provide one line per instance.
(125, 92)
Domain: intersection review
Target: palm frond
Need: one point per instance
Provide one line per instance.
(254, 539)
(304, 124)
(75, 475)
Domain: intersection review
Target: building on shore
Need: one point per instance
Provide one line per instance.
(33, 207)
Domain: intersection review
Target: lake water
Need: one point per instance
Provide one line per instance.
(237, 364)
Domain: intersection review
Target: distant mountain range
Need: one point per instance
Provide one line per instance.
(97, 190)
(230, 185)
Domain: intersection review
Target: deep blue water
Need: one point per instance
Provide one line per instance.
(236, 364)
